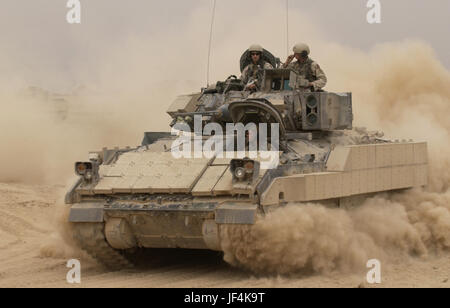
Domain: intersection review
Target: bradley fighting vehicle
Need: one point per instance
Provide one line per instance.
(145, 197)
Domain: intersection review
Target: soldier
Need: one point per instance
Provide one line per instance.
(311, 76)
(252, 73)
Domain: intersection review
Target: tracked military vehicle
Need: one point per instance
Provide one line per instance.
(147, 197)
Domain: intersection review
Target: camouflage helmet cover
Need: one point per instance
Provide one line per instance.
(301, 47)
(255, 47)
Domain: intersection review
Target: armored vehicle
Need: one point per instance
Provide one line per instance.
(151, 196)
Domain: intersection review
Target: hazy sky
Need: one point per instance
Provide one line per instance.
(37, 35)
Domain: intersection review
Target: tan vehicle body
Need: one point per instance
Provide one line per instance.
(144, 197)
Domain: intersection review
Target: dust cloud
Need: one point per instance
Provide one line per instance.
(60, 242)
(400, 88)
(404, 90)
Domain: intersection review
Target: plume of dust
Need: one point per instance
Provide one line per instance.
(399, 87)
(129, 86)
(60, 243)
(407, 94)
(41, 148)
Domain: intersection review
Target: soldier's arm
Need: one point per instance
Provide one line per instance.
(267, 65)
(288, 62)
(320, 75)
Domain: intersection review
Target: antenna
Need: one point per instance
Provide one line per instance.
(287, 28)
(210, 40)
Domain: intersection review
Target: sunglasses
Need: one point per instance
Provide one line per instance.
(255, 54)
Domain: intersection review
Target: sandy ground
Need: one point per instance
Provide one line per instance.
(32, 254)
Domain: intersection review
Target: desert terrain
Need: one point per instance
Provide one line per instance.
(34, 253)
(66, 90)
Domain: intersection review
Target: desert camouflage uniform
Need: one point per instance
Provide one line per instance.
(254, 72)
(311, 72)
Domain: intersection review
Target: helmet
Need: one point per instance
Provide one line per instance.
(301, 48)
(255, 47)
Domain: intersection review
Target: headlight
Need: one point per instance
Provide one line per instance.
(82, 167)
(244, 169)
(311, 118)
(87, 170)
(311, 101)
(249, 166)
(239, 173)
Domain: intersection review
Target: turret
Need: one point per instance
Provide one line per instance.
(278, 99)
(295, 111)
